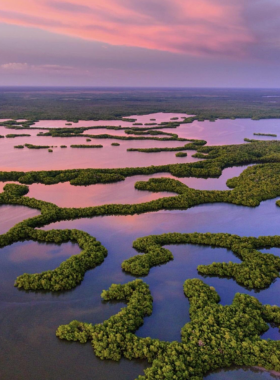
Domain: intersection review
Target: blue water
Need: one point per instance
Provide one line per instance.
(28, 345)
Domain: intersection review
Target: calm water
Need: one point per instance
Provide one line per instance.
(29, 348)
(215, 133)
(11, 215)
(159, 117)
(65, 195)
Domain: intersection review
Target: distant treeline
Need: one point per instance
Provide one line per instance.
(108, 104)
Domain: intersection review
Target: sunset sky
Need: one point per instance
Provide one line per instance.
(186, 43)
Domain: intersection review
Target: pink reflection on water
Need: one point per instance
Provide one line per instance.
(160, 117)
(43, 252)
(11, 215)
(66, 195)
(226, 132)
(71, 158)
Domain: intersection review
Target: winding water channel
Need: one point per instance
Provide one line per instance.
(28, 345)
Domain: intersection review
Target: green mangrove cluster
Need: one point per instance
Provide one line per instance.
(194, 145)
(265, 134)
(181, 154)
(12, 135)
(86, 146)
(257, 269)
(71, 272)
(217, 336)
(253, 185)
(213, 160)
(31, 146)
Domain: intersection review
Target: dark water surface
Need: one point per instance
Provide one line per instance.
(28, 345)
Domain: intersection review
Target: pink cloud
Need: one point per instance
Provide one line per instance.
(200, 27)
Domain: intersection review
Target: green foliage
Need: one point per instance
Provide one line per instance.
(63, 146)
(130, 120)
(206, 104)
(194, 145)
(78, 132)
(181, 154)
(19, 146)
(31, 146)
(86, 146)
(115, 144)
(252, 186)
(151, 131)
(75, 177)
(257, 270)
(12, 135)
(16, 190)
(71, 272)
(265, 134)
(217, 336)
(50, 150)
(214, 160)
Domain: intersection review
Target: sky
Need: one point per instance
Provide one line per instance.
(145, 43)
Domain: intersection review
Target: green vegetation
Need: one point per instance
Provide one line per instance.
(79, 104)
(16, 190)
(255, 184)
(50, 150)
(112, 104)
(194, 145)
(181, 154)
(86, 146)
(63, 146)
(115, 144)
(88, 140)
(31, 146)
(56, 132)
(214, 160)
(257, 270)
(12, 135)
(2, 137)
(265, 134)
(128, 119)
(71, 272)
(151, 132)
(217, 336)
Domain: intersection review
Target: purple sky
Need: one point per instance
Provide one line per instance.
(204, 43)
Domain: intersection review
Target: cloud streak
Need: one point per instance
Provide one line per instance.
(200, 28)
(48, 68)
